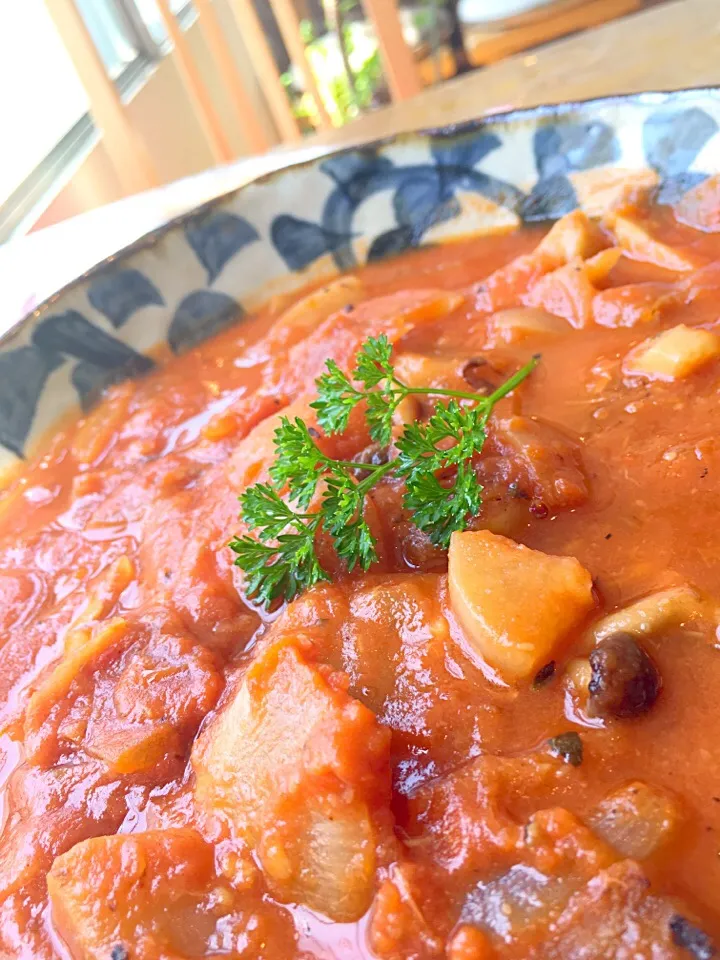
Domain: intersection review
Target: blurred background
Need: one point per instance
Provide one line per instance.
(103, 99)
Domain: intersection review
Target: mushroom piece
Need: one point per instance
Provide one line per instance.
(665, 608)
(624, 681)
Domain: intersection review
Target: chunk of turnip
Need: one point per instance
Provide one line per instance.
(299, 770)
(517, 606)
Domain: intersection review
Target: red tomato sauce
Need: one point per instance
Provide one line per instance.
(355, 774)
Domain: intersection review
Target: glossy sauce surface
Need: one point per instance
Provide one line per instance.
(126, 639)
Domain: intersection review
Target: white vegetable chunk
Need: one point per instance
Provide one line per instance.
(516, 605)
(310, 311)
(299, 770)
(674, 354)
(637, 820)
(640, 245)
(665, 608)
(573, 235)
(517, 323)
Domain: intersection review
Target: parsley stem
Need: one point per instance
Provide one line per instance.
(376, 470)
(488, 401)
(514, 381)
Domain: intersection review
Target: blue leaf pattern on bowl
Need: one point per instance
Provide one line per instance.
(215, 238)
(419, 204)
(391, 243)
(672, 139)
(118, 294)
(549, 199)
(672, 188)
(431, 186)
(449, 150)
(71, 334)
(23, 374)
(90, 379)
(574, 146)
(301, 243)
(560, 149)
(351, 169)
(201, 315)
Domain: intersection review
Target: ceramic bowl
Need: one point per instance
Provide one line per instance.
(205, 271)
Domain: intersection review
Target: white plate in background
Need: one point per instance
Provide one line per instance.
(499, 14)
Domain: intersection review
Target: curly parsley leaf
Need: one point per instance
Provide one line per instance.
(434, 459)
(373, 362)
(299, 460)
(439, 509)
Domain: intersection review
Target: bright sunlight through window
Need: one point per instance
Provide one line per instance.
(42, 97)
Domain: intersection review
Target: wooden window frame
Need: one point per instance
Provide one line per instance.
(43, 180)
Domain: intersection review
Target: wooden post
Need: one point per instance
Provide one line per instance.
(127, 151)
(195, 89)
(289, 24)
(400, 68)
(245, 110)
(261, 57)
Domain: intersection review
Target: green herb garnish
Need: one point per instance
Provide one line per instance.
(434, 458)
(568, 747)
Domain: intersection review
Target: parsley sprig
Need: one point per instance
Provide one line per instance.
(434, 459)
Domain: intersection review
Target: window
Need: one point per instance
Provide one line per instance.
(112, 35)
(55, 106)
(152, 20)
(44, 113)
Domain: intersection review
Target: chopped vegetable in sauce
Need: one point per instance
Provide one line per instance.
(569, 746)
(458, 699)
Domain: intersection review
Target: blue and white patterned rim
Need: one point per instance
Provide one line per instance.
(204, 271)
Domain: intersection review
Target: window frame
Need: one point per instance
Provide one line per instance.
(75, 145)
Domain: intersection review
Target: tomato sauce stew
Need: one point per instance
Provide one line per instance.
(510, 748)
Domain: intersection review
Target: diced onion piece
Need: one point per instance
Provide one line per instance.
(422, 369)
(601, 188)
(517, 323)
(566, 292)
(507, 905)
(674, 354)
(637, 820)
(633, 303)
(338, 862)
(573, 235)
(700, 207)
(599, 266)
(516, 605)
(310, 311)
(640, 245)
